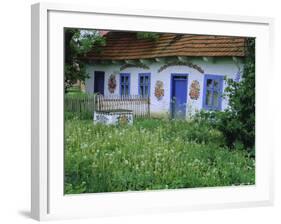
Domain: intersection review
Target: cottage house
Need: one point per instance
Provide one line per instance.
(180, 73)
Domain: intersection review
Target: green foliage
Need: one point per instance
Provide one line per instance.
(77, 43)
(148, 36)
(151, 154)
(238, 122)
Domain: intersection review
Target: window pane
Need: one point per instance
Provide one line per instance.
(208, 101)
(216, 99)
(145, 91)
(141, 80)
(144, 85)
(209, 83)
(122, 79)
(141, 90)
(127, 90)
(124, 92)
(146, 80)
(122, 89)
(216, 84)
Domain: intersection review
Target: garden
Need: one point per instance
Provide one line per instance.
(149, 155)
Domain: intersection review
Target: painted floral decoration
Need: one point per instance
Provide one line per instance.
(112, 83)
(194, 90)
(159, 90)
(123, 119)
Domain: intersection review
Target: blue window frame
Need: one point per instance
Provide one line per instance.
(144, 84)
(124, 83)
(212, 94)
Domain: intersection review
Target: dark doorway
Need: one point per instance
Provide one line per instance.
(99, 82)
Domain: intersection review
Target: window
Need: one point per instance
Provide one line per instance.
(144, 84)
(212, 95)
(125, 84)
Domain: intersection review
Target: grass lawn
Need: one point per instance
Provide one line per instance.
(151, 154)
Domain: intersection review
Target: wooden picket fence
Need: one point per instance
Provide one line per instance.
(80, 103)
(140, 105)
(88, 103)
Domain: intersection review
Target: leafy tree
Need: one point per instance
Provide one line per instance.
(78, 42)
(238, 122)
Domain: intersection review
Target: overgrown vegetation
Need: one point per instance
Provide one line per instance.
(238, 122)
(151, 154)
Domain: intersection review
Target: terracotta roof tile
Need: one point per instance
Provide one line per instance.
(125, 45)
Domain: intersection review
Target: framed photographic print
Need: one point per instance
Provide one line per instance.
(148, 111)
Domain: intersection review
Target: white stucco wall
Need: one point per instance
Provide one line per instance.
(222, 66)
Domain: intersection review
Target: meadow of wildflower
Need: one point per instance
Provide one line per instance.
(151, 154)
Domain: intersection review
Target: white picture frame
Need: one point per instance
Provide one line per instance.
(47, 198)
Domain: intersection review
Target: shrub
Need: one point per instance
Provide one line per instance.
(238, 122)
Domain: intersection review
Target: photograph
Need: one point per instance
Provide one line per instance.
(150, 111)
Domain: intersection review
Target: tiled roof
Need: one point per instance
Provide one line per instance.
(126, 45)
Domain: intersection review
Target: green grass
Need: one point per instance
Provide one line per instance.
(151, 154)
(74, 90)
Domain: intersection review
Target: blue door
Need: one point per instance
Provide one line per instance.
(99, 82)
(179, 95)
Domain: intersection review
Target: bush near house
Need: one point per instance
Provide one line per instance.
(237, 122)
(151, 154)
